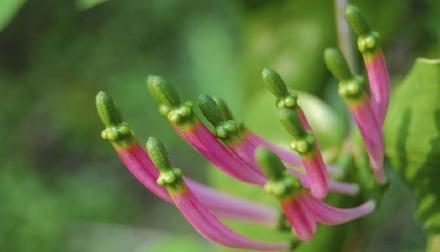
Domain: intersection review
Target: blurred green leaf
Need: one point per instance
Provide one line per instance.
(87, 4)
(8, 9)
(413, 139)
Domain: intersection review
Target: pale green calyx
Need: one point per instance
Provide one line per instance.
(116, 130)
(172, 177)
(169, 176)
(277, 87)
(368, 43)
(169, 102)
(288, 101)
(353, 89)
(304, 145)
(178, 115)
(117, 133)
(279, 183)
(368, 40)
(283, 187)
(227, 129)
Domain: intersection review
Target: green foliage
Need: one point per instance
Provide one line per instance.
(8, 9)
(412, 133)
(87, 4)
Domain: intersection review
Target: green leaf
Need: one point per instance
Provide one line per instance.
(87, 4)
(8, 9)
(412, 134)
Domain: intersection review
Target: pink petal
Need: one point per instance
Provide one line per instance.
(303, 226)
(302, 117)
(209, 146)
(372, 134)
(208, 226)
(334, 186)
(140, 166)
(245, 150)
(231, 207)
(328, 215)
(379, 84)
(317, 174)
(285, 155)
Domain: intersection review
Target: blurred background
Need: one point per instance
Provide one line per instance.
(62, 188)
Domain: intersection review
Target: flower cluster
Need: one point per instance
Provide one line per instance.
(244, 155)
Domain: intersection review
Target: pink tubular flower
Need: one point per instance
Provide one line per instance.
(368, 45)
(248, 157)
(304, 211)
(204, 222)
(372, 135)
(243, 143)
(304, 143)
(184, 121)
(140, 166)
(379, 83)
(301, 209)
(351, 88)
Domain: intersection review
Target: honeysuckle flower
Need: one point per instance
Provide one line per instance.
(248, 157)
(140, 165)
(190, 128)
(305, 144)
(304, 141)
(203, 221)
(243, 143)
(302, 210)
(368, 45)
(236, 158)
(352, 89)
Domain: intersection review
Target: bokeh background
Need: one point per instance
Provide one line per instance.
(62, 188)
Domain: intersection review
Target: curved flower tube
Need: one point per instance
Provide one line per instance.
(140, 166)
(368, 45)
(285, 155)
(243, 142)
(328, 215)
(185, 122)
(205, 223)
(301, 209)
(351, 88)
(304, 143)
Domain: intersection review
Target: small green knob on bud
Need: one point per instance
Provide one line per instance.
(210, 109)
(274, 82)
(352, 90)
(337, 64)
(305, 145)
(270, 163)
(356, 20)
(107, 110)
(115, 130)
(291, 123)
(169, 176)
(162, 91)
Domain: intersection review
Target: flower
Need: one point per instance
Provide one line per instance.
(249, 158)
(301, 209)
